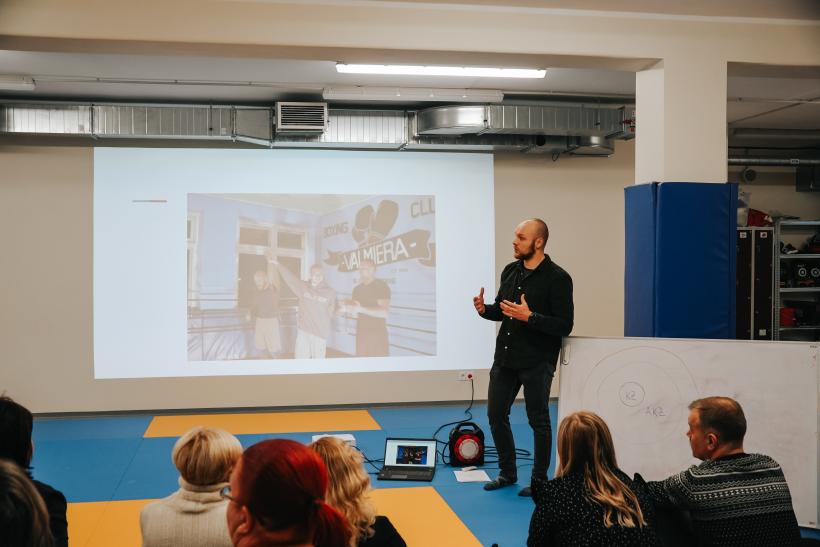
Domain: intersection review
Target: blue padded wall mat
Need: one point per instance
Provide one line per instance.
(680, 260)
(639, 276)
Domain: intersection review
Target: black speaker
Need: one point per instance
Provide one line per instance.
(466, 445)
(802, 274)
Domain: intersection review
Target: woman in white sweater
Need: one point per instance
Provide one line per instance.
(194, 515)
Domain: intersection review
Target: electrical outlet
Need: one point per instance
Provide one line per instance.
(465, 375)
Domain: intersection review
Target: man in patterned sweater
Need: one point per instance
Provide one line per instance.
(733, 498)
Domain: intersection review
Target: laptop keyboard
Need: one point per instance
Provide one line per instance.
(410, 474)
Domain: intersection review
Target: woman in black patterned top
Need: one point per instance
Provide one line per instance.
(590, 502)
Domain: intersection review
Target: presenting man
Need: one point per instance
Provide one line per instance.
(734, 498)
(534, 305)
(317, 302)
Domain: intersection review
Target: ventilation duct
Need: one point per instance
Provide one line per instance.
(455, 128)
(592, 146)
(577, 121)
(301, 117)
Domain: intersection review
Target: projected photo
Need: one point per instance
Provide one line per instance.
(414, 455)
(310, 276)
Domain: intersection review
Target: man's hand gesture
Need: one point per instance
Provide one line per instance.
(516, 311)
(478, 302)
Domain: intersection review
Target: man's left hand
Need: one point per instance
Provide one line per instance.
(516, 311)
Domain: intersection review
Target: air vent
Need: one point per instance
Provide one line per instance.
(301, 117)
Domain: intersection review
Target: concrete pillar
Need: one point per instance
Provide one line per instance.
(681, 120)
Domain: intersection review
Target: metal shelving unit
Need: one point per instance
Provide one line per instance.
(810, 294)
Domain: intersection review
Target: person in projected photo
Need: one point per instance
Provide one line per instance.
(317, 303)
(370, 304)
(534, 305)
(265, 314)
(411, 455)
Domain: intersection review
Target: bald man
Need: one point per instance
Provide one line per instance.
(534, 305)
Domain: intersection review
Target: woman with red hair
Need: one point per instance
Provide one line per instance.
(277, 493)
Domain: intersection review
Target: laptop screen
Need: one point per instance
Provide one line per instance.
(410, 452)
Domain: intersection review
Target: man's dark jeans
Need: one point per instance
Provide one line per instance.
(504, 385)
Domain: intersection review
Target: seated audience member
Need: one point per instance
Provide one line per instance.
(16, 424)
(277, 497)
(591, 501)
(349, 493)
(733, 498)
(195, 514)
(23, 515)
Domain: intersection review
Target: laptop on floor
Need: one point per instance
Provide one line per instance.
(409, 460)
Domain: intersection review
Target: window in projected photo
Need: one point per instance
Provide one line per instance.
(306, 276)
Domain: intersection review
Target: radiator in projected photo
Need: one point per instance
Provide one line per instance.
(310, 276)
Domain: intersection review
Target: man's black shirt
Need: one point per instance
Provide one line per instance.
(548, 290)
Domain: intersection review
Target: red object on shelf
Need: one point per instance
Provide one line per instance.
(787, 317)
(759, 218)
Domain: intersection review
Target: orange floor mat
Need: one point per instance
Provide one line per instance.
(265, 422)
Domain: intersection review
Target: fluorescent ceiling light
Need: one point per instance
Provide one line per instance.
(12, 82)
(463, 71)
(411, 94)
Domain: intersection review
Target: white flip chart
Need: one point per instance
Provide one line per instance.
(643, 386)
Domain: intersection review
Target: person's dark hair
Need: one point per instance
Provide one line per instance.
(541, 229)
(23, 514)
(16, 424)
(283, 484)
(723, 416)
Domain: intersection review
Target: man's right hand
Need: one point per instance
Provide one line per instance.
(478, 302)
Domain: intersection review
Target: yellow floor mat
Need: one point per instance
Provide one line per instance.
(266, 422)
(105, 523)
(422, 517)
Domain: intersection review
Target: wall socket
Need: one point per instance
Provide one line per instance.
(465, 375)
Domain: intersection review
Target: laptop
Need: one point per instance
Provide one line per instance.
(409, 460)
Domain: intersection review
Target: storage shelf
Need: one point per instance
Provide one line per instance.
(799, 256)
(807, 294)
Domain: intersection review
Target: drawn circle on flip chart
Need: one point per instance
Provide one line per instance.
(642, 393)
(632, 393)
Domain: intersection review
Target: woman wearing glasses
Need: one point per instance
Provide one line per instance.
(277, 492)
(194, 514)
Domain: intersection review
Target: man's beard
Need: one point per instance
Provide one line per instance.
(528, 254)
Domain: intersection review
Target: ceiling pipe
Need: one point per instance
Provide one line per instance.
(790, 134)
(772, 162)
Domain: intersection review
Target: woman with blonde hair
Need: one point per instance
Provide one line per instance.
(194, 514)
(349, 493)
(591, 501)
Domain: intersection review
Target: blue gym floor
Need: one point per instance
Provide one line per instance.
(109, 459)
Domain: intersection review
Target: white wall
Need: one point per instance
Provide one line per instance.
(582, 201)
(46, 319)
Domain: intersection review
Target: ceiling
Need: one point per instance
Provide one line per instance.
(766, 9)
(215, 79)
(758, 96)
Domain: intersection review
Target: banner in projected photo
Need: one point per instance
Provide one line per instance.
(310, 276)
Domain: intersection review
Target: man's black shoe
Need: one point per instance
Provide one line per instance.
(500, 482)
(525, 492)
